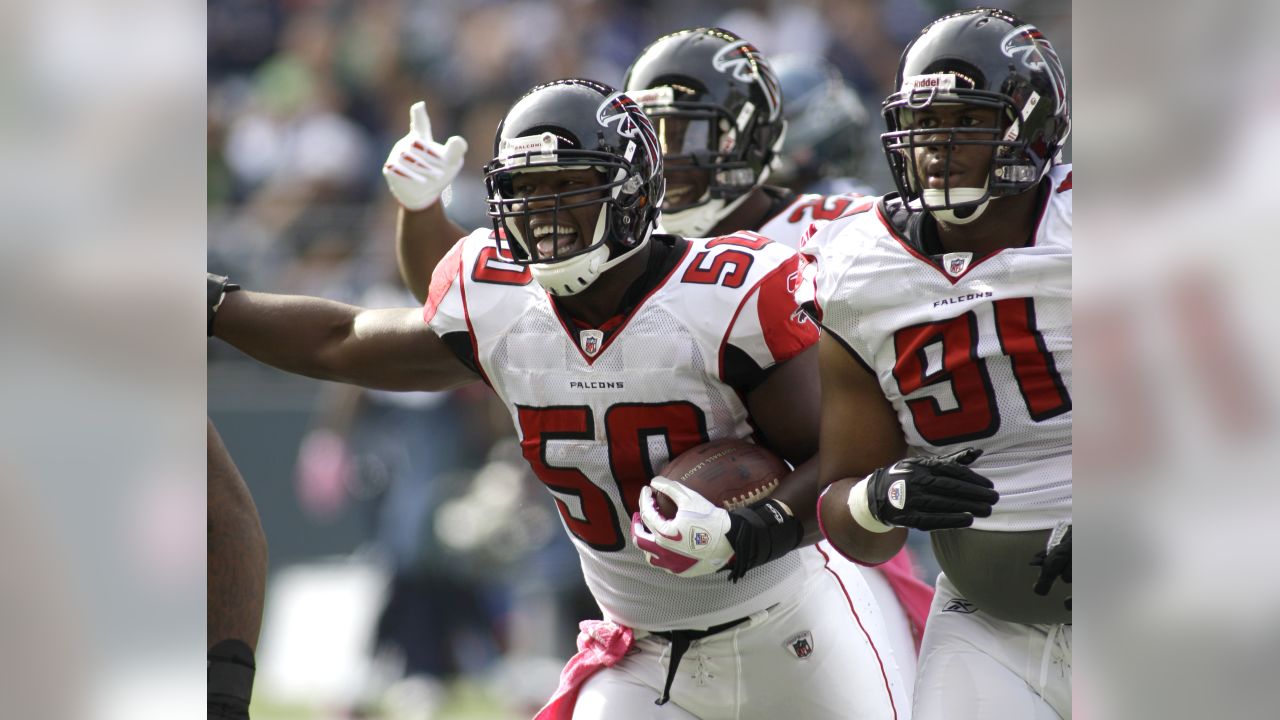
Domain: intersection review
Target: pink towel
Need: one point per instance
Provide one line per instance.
(601, 644)
(914, 596)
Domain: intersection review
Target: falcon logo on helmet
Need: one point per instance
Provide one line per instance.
(1029, 44)
(631, 122)
(744, 62)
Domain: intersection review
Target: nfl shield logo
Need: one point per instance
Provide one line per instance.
(801, 645)
(898, 494)
(701, 537)
(591, 341)
(956, 263)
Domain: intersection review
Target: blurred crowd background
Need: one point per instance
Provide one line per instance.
(109, 138)
(417, 569)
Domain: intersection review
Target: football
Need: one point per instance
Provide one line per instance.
(730, 473)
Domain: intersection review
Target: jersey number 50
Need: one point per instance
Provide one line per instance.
(631, 429)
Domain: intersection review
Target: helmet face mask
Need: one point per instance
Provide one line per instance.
(565, 149)
(989, 61)
(718, 110)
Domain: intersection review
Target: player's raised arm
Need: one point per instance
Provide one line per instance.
(382, 349)
(418, 171)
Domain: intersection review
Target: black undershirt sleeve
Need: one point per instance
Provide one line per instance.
(460, 343)
(741, 372)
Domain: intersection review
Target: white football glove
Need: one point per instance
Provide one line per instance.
(694, 542)
(419, 169)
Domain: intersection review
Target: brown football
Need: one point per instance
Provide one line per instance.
(729, 473)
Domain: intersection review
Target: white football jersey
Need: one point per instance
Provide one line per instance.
(599, 415)
(972, 352)
(788, 226)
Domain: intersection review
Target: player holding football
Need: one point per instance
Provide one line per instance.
(948, 315)
(716, 106)
(579, 317)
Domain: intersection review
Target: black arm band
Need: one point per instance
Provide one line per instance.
(216, 288)
(230, 680)
(760, 533)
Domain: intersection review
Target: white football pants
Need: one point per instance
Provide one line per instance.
(976, 667)
(755, 669)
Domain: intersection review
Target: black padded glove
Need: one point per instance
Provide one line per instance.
(759, 533)
(929, 493)
(1054, 562)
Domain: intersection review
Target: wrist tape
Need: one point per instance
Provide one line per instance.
(860, 508)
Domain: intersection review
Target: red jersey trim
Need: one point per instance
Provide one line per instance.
(849, 600)
(787, 265)
(447, 270)
(893, 232)
(925, 258)
(471, 332)
(1066, 184)
(626, 320)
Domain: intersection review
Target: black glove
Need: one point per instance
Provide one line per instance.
(925, 493)
(1054, 562)
(216, 289)
(230, 680)
(759, 533)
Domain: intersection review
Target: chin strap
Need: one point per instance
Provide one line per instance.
(973, 202)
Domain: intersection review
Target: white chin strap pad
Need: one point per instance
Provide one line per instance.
(956, 216)
(572, 276)
(696, 222)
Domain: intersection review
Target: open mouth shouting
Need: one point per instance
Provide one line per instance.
(555, 239)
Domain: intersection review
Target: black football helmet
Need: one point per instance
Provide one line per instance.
(988, 58)
(827, 123)
(576, 124)
(717, 108)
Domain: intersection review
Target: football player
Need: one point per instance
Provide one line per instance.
(237, 582)
(615, 348)
(719, 110)
(947, 307)
(716, 106)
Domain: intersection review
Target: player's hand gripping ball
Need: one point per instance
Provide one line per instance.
(683, 523)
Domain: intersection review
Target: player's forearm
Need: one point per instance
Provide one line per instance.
(848, 536)
(422, 239)
(237, 552)
(799, 492)
(297, 334)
